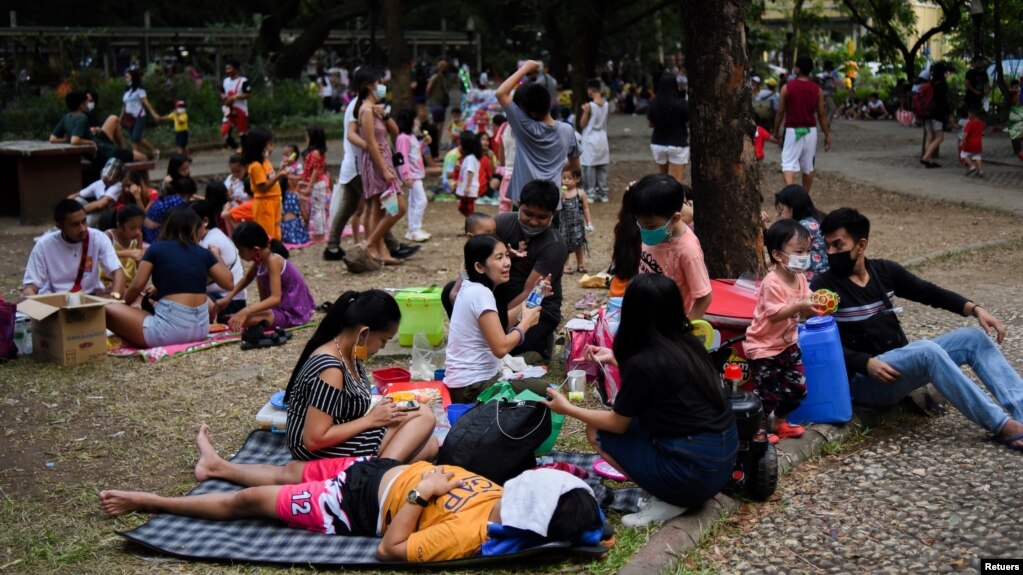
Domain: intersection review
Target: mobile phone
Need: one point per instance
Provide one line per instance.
(408, 405)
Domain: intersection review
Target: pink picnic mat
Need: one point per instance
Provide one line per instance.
(118, 348)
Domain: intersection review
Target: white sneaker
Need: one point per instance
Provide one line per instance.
(604, 199)
(417, 236)
(652, 510)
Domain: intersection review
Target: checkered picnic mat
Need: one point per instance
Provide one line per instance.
(266, 541)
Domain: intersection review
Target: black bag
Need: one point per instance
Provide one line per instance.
(497, 439)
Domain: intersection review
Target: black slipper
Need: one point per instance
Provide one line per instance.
(1010, 442)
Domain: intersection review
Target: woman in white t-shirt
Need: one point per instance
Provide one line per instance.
(476, 339)
(133, 112)
(227, 253)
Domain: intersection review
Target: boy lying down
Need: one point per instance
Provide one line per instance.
(422, 512)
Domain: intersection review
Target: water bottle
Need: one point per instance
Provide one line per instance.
(827, 386)
(535, 297)
(614, 314)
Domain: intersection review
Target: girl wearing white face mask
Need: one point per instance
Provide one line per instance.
(381, 186)
(776, 362)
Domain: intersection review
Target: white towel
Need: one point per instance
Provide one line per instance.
(529, 500)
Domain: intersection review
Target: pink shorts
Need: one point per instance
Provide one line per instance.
(317, 504)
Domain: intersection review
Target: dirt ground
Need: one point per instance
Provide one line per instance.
(117, 422)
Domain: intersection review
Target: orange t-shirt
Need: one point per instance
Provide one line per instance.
(765, 338)
(618, 286)
(681, 259)
(452, 526)
(260, 174)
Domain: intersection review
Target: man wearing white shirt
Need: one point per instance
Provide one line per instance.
(100, 197)
(57, 262)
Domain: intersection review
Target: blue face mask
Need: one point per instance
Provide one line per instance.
(657, 236)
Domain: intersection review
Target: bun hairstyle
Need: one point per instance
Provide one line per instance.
(374, 309)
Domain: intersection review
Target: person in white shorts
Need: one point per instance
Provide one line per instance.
(801, 108)
(668, 115)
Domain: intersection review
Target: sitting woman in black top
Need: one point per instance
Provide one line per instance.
(329, 396)
(672, 430)
(179, 267)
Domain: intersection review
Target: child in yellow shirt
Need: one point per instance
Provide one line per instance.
(180, 117)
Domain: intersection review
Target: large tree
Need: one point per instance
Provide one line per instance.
(725, 172)
(891, 22)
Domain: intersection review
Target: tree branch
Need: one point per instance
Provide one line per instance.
(639, 17)
(952, 16)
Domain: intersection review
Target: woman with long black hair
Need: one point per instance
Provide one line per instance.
(672, 430)
(794, 202)
(133, 113)
(329, 398)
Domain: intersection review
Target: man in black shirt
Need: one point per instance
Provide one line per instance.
(977, 83)
(884, 366)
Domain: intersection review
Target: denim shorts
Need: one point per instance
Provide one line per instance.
(173, 323)
(684, 471)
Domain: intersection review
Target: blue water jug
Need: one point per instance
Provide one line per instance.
(827, 385)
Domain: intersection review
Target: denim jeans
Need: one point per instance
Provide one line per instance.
(175, 323)
(684, 471)
(937, 361)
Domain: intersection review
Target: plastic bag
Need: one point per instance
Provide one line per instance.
(425, 359)
(503, 390)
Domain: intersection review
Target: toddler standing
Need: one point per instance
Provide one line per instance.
(575, 219)
(468, 173)
(973, 144)
(412, 171)
(776, 362)
(180, 117)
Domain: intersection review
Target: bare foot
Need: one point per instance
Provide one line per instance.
(209, 460)
(116, 503)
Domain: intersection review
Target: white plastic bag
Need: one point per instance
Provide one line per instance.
(425, 359)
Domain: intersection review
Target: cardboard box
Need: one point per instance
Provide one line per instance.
(67, 334)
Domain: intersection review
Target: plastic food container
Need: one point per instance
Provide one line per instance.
(390, 375)
(421, 312)
(273, 418)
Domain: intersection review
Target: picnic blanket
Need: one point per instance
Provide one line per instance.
(117, 347)
(267, 541)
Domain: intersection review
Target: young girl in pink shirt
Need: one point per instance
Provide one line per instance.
(776, 362)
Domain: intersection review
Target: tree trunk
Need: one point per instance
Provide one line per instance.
(397, 56)
(792, 39)
(291, 61)
(1003, 86)
(909, 65)
(725, 174)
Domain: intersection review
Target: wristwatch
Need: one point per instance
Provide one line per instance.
(415, 497)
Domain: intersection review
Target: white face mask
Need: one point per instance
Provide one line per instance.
(181, 110)
(90, 105)
(798, 263)
(381, 91)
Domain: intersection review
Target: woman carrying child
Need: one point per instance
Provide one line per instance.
(476, 340)
(179, 268)
(330, 412)
(776, 363)
(671, 430)
(315, 182)
(284, 297)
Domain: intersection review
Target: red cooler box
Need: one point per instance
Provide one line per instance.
(730, 313)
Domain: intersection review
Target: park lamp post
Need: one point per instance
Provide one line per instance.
(977, 16)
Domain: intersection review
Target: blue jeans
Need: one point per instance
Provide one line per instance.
(937, 361)
(174, 323)
(684, 471)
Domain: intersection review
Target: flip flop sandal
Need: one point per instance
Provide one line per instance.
(1010, 441)
(568, 271)
(581, 269)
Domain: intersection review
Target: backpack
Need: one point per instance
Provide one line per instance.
(923, 102)
(497, 439)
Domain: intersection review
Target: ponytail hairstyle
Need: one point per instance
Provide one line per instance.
(375, 309)
(655, 337)
(627, 241)
(364, 76)
(477, 250)
(251, 235)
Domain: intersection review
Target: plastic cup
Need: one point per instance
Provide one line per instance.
(455, 410)
(575, 381)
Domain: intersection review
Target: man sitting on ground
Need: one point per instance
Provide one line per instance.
(422, 512)
(884, 366)
(66, 260)
(100, 197)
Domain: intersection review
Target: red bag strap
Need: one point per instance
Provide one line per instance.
(77, 287)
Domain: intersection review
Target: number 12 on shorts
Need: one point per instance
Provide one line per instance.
(300, 504)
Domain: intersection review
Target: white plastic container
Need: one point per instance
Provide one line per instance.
(273, 418)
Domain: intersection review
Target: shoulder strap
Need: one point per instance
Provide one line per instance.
(77, 286)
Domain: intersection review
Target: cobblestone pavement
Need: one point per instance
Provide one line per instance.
(935, 496)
